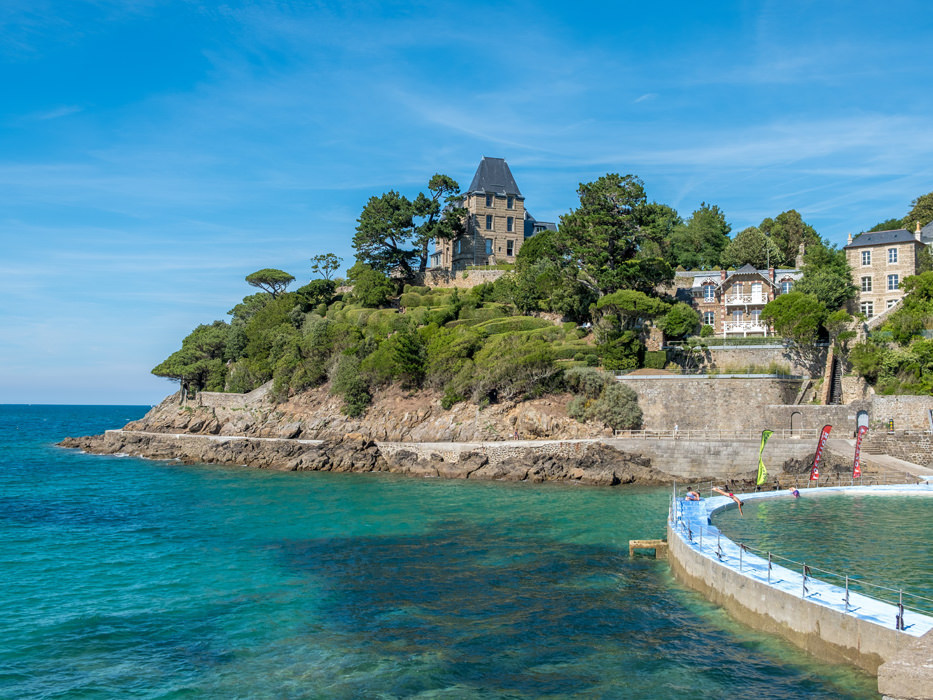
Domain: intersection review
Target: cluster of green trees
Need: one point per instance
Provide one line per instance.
(898, 357)
(601, 271)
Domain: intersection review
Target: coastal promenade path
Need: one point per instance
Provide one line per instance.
(845, 448)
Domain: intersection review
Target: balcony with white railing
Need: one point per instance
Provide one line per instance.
(746, 327)
(736, 299)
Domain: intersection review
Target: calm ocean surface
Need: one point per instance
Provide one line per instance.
(131, 578)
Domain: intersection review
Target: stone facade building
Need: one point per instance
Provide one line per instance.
(880, 260)
(731, 300)
(497, 222)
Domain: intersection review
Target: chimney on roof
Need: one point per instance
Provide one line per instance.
(722, 275)
(798, 261)
(918, 234)
(850, 240)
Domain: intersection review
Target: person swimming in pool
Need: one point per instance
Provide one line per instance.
(732, 496)
(794, 492)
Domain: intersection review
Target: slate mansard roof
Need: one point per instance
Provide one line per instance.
(900, 235)
(494, 177)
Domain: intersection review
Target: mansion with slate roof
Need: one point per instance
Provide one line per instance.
(880, 260)
(497, 222)
(731, 300)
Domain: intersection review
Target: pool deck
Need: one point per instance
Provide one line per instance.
(811, 613)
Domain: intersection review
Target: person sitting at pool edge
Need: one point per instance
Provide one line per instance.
(691, 495)
(732, 496)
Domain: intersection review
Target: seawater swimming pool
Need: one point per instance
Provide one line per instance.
(832, 622)
(874, 537)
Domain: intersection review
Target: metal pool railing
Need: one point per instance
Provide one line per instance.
(847, 582)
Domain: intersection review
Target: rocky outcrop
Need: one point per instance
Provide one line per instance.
(394, 416)
(596, 463)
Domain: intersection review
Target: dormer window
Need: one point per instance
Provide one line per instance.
(786, 286)
(709, 292)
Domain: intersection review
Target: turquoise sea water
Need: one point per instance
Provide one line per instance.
(132, 578)
(877, 539)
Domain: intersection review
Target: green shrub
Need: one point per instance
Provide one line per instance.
(707, 331)
(655, 359)
(586, 381)
(410, 300)
(617, 407)
(592, 360)
(513, 324)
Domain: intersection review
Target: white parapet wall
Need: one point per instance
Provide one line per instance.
(812, 614)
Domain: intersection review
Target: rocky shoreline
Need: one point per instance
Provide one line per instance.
(594, 463)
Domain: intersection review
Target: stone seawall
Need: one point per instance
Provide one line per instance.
(916, 448)
(723, 459)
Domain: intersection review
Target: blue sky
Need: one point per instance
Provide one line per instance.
(153, 153)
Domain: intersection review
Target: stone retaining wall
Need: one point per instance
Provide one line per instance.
(907, 412)
(218, 399)
(459, 280)
(723, 358)
(916, 448)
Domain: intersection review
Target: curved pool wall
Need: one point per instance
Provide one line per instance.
(816, 617)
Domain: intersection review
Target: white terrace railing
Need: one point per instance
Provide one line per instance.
(746, 327)
(732, 299)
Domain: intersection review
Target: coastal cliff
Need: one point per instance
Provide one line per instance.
(394, 415)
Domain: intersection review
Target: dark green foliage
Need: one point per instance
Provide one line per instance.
(750, 246)
(270, 280)
(915, 313)
(586, 381)
(706, 331)
(788, 230)
(698, 243)
(540, 247)
(199, 363)
(796, 316)
(394, 232)
(827, 276)
(325, 265)
(655, 359)
(887, 225)
(682, 320)
(921, 211)
(315, 293)
(603, 236)
(616, 406)
(371, 287)
(347, 380)
(901, 370)
(622, 351)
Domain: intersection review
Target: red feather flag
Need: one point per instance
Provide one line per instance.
(815, 469)
(857, 468)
